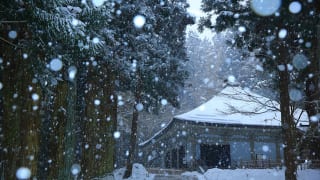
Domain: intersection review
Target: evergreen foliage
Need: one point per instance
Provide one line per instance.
(277, 39)
(151, 58)
(101, 44)
(261, 34)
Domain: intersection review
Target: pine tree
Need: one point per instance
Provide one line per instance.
(276, 39)
(151, 59)
(20, 120)
(68, 32)
(100, 53)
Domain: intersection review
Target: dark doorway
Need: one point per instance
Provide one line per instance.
(215, 155)
(175, 158)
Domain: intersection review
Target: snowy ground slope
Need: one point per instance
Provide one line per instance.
(140, 173)
(252, 174)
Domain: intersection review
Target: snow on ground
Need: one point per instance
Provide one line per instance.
(252, 174)
(140, 173)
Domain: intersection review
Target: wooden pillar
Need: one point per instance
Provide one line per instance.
(226, 138)
(278, 154)
(193, 153)
(252, 152)
(163, 160)
(318, 58)
(171, 159)
(177, 158)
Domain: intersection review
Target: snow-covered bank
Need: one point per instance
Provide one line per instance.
(252, 174)
(140, 173)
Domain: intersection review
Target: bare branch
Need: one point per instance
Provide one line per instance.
(13, 22)
(264, 102)
(234, 110)
(8, 42)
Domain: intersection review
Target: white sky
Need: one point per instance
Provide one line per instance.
(194, 10)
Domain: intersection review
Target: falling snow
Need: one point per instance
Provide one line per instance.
(72, 71)
(120, 103)
(23, 173)
(98, 3)
(97, 102)
(95, 40)
(56, 73)
(164, 102)
(139, 107)
(139, 21)
(265, 7)
(295, 7)
(295, 94)
(25, 56)
(308, 44)
(259, 68)
(281, 67)
(35, 97)
(75, 169)
(98, 146)
(86, 146)
(13, 34)
(265, 148)
(314, 118)
(282, 33)
(231, 79)
(56, 64)
(242, 29)
(116, 135)
(300, 61)
(289, 67)
(75, 22)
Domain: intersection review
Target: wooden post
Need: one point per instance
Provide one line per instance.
(177, 158)
(318, 71)
(252, 148)
(170, 161)
(278, 154)
(163, 160)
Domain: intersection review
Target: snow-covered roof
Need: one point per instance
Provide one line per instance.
(234, 105)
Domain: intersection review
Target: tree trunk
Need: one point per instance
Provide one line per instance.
(133, 140)
(53, 133)
(10, 146)
(20, 116)
(98, 144)
(70, 131)
(134, 131)
(45, 131)
(287, 121)
(312, 85)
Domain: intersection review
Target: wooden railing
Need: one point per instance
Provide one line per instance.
(315, 164)
(308, 164)
(165, 171)
(260, 164)
(251, 164)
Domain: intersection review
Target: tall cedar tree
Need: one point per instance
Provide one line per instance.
(152, 59)
(47, 30)
(259, 34)
(68, 116)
